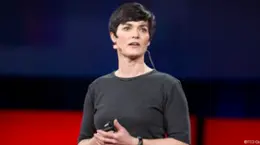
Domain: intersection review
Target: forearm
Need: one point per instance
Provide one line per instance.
(87, 142)
(164, 141)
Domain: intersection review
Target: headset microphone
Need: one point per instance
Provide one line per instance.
(150, 58)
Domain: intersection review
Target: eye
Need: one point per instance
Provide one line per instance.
(144, 29)
(126, 28)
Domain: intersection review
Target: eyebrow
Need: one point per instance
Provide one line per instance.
(142, 25)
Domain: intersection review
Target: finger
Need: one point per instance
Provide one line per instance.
(109, 141)
(98, 139)
(106, 134)
(117, 125)
(105, 140)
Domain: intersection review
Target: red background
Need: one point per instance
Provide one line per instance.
(30, 127)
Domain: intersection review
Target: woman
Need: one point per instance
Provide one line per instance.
(146, 106)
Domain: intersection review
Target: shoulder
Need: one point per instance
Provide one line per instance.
(168, 82)
(166, 78)
(100, 80)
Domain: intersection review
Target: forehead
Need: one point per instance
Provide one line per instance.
(135, 23)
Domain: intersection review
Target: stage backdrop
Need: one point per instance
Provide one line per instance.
(203, 39)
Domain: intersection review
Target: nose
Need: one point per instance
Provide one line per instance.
(135, 34)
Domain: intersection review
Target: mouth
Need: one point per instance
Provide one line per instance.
(134, 44)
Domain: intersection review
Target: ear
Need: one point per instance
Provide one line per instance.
(113, 38)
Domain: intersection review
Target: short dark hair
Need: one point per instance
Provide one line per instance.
(131, 12)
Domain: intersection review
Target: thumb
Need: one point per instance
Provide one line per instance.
(117, 125)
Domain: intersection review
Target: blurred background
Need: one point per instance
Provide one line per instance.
(51, 50)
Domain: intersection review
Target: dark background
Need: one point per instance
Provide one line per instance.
(50, 50)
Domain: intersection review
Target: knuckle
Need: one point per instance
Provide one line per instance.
(115, 136)
(102, 139)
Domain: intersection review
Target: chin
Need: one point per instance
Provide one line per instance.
(134, 55)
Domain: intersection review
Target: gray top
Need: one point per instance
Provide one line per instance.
(151, 105)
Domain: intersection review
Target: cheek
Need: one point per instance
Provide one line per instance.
(122, 41)
(146, 42)
(146, 39)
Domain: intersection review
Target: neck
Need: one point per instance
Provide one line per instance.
(131, 67)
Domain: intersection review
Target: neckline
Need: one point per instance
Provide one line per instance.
(135, 77)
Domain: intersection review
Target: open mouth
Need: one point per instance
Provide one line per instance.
(134, 44)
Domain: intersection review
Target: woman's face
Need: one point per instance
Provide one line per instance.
(132, 38)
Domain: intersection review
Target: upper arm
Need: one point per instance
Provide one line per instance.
(87, 127)
(176, 113)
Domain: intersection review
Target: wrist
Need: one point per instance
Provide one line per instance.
(140, 140)
(135, 141)
(92, 141)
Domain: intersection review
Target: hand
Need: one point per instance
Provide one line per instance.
(121, 137)
(105, 138)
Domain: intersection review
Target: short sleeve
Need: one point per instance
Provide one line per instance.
(176, 113)
(87, 127)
